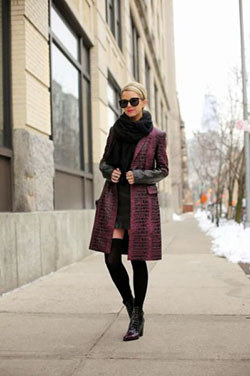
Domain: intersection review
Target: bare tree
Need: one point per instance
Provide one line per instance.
(218, 155)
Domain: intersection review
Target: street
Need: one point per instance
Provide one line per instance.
(71, 323)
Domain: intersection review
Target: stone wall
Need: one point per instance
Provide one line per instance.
(35, 244)
(33, 171)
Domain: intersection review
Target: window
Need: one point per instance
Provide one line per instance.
(135, 51)
(66, 111)
(5, 109)
(70, 84)
(156, 103)
(113, 102)
(147, 80)
(113, 18)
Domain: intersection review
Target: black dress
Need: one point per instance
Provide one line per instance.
(123, 212)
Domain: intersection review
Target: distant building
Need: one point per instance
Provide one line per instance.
(209, 121)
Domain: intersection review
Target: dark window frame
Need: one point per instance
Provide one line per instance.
(83, 67)
(156, 104)
(162, 116)
(135, 50)
(6, 154)
(147, 80)
(6, 79)
(113, 19)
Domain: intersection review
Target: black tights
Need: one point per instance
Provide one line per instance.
(120, 277)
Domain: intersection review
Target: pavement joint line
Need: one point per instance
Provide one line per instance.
(62, 314)
(83, 359)
(143, 358)
(95, 343)
(79, 366)
(57, 356)
(117, 314)
(102, 334)
(29, 356)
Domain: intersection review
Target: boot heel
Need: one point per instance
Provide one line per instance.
(142, 330)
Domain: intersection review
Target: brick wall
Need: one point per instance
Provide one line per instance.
(30, 66)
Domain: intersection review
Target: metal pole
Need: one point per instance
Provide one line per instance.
(245, 117)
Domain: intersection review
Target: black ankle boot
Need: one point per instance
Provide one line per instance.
(129, 304)
(135, 329)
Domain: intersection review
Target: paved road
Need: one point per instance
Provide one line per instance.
(71, 323)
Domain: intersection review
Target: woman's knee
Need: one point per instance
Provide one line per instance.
(118, 233)
(113, 258)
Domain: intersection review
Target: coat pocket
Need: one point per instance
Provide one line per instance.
(152, 189)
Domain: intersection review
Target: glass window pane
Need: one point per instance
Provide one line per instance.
(111, 96)
(1, 80)
(111, 117)
(65, 103)
(147, 72)
(64, 33)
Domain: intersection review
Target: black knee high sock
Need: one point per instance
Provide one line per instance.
(117, 270)
(140, 281)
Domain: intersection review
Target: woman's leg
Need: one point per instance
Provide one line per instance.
(136, 325)
(116, 268)
(140, 281)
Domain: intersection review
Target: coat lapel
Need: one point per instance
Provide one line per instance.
(140, 144)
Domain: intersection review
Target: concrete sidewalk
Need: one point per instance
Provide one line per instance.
(71, 323)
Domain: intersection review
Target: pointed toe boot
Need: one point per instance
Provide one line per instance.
(136, 325)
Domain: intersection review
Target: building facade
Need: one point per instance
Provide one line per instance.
(63, 63)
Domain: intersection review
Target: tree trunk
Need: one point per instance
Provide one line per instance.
(241, 191)
(230, 209)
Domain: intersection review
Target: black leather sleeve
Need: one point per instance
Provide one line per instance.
(161, 169)
(106, 169)
(149, 176)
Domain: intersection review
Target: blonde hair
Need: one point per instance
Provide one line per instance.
(137, 88)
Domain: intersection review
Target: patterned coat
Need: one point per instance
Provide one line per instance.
(149, 165)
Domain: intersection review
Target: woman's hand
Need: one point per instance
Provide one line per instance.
(115, 176)
(130, 177)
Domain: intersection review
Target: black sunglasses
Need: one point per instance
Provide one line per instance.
(133, 101)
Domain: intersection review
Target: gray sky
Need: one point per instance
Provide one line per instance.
(207, 46)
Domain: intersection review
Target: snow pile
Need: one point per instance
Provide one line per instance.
(177, 217)
(230, 239)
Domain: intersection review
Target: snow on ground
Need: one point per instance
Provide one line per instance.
(230, 239)
(177, 217)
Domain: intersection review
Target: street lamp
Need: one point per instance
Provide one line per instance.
(245, 116)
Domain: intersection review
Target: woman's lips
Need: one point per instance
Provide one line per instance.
(130, 110)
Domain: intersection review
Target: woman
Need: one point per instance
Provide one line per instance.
(127, 219)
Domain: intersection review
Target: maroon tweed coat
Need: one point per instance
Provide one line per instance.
(150, 165)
